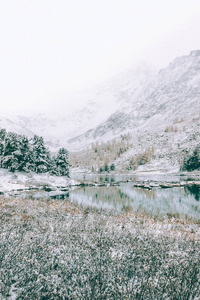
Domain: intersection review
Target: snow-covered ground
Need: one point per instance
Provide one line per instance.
(15, 181)
(10, 181)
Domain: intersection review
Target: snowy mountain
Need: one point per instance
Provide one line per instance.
(163, 112)
(101, 102)
(157, 109)
(173, 93)
(11, 125)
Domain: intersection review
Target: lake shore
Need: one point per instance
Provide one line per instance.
(55, 249)
(11, 183)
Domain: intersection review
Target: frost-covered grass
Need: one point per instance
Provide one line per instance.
(55, 250)
(20, 180)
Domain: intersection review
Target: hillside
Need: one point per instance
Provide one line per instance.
(164, 114)
(159, 112)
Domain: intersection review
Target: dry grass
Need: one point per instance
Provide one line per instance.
(52, 249)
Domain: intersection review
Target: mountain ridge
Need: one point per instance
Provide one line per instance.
(158, 109)
(160, 96)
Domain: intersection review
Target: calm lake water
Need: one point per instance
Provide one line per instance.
(181, 202)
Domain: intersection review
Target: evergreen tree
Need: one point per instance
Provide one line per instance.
(3, 134)
(193, 162)
(17, 152)
(40, 156)
(112, 167)
(62, 162)
(13, 156)
(101, 169)
(25, 163)
(106, 168)
(53, 166)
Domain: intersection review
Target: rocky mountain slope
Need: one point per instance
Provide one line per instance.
(171, 96)
(164, 113)
(159, 110)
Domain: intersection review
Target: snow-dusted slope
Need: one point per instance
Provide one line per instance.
(171, 97)
(102, 102)
(158, 109)
(11, 125)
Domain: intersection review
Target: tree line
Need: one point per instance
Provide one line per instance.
(18, 153)
(101, 155)
(191, 162)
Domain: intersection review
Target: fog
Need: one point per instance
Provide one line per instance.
(52, 52)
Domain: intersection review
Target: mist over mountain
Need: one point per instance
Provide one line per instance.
(157, 109)
(172, 93)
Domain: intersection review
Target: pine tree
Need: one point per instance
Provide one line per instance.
(41, 160)
(13, 156)
(62, 162)
(193, 162)
(106, 168)
(2, 134)
(17, 152)
(25, 163)
(112, 167)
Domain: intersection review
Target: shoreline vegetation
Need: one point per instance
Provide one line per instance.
(55, 249)
(52, 249)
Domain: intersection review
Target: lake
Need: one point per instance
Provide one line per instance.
(179, 202)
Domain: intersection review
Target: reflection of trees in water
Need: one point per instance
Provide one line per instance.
(107, 178)
(177, 201)
(193, 190)
(150, 194)
(110, 195)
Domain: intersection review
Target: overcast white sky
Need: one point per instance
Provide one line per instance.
(51, 48)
